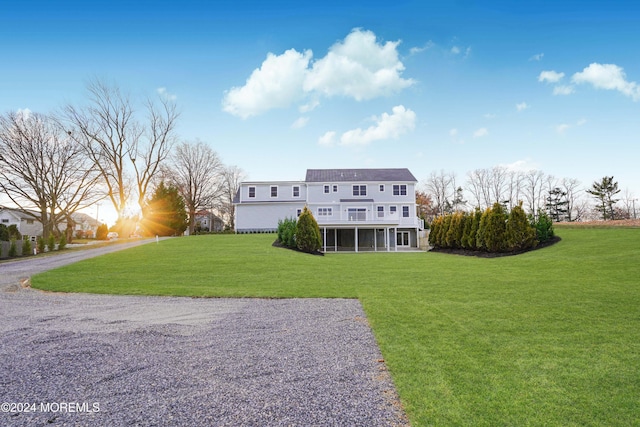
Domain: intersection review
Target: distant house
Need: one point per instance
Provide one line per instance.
(356, 209)
(206, 220)
(31, 228)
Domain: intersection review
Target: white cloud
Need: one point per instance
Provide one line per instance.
(522, 106)
(419, 49)
(455, 50)
(550, 76)
(276, 84)
(387, 126)
(581, 122)
(520, 166)
(563, 90)
(358, 67)
(300, 123)
(562, 128)
(328, 139)
(537, 57)
(480, 133)
(609, 77)
(162, 91)
(453, 132)
(489, 116)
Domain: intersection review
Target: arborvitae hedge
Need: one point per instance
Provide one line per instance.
(493, 230)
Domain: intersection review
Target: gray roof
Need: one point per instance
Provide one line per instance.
(365, 175)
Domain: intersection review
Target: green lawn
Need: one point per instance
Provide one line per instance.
(551, 337)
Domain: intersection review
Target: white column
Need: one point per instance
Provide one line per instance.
(324, 230)
(375, 240)
(356, 239)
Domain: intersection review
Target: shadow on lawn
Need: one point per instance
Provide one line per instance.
(482, 254)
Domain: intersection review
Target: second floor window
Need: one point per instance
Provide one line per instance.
(359, 190)
(252, 192)
(405, 211)
(400, 190)
(326, 189)
(380, 211)
(274, 191)
(325, 211)
(296, 191)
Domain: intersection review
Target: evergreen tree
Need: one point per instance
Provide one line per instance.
(102, 231)
(482, 227)
(520, 234)
(495, 229)
(467, 220)
(165, 213)
(308, 238)
(557, 204)
(604, 191)
(26, 247)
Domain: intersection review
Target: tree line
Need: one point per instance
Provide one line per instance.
(53, 165)
(562, 199)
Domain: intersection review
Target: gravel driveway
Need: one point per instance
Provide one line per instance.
(79, 359)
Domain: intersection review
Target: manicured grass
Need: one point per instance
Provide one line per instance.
(551, 337)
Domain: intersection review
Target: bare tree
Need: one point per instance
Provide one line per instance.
(198, 173)
(122, 148)
(534, 182)
(232, 176)
(628, 200)
(571, 187)
(43, 170)
(441, 186)
(478, 186)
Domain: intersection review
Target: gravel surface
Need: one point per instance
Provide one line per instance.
(85, 360)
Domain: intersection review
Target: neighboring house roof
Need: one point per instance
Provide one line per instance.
(363, 175)
(18, 214)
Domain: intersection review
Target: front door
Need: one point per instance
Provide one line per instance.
(402, 238)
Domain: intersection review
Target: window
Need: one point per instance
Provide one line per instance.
(400, 190)
(393, 210)
(335, 188)
(326, 189)
(296, 191)
(380, 211)
(252, 192)
(325, 211)
(381, 188)
(359, 190)
(405, 211)
(274, 191)
(298, 212)
(29, 221)
(5, 221)
(357, 214)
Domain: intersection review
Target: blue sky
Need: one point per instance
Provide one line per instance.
(278, 87)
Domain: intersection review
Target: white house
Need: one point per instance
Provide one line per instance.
(356, 209)
(31, 228)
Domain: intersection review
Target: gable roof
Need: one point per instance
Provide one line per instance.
(352, 175)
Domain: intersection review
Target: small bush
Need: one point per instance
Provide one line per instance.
(41, 245)
(101, 233)
(287, 232)
(543, 226)
(26, 247)
(62, 243)
(51, 242)
(13, 249)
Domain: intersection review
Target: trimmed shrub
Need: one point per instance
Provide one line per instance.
(51, 242)
(40, 244)
(26, 247)
(520, 234)
(482, 229)
(13, 249)
(101, 232)
(308, 238)
(287, 232)
(62, 243)
(495, 229)
(543, 226)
